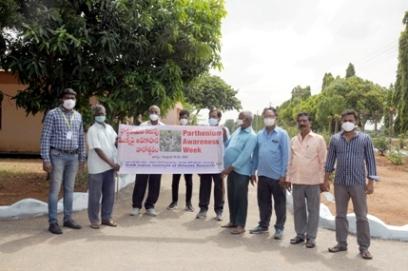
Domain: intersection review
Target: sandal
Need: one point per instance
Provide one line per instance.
(237, 231)
(94, 226)
(228, 226)
(110, 223)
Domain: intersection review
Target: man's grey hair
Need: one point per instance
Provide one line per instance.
(98, 108)
(248, 115)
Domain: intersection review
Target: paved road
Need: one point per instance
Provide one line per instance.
(176, 241)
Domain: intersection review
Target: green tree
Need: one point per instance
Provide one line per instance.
(128, 54)
(258, 122)
(230, 124)
(208, 91)
(285, 113)
(350, 70)
(327, 79)
(401, 85)
(389, 110)
(329, 108)
(364, 96)
(299, 93)
(9, 18)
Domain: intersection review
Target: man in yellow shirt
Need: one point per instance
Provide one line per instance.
(306, 173)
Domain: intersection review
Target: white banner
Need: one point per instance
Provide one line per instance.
(170, 149)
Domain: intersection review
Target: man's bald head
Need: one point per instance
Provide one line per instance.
(247, 118)
(99, 110)
(154, 109)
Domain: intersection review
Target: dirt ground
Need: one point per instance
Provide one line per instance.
(390, 199)
(25, 179)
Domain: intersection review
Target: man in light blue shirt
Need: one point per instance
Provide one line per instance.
(238, 167)
(271, 157)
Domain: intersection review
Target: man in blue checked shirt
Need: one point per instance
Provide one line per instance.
(271, 157)
(238, 165)
(354, 153)
(62, 152)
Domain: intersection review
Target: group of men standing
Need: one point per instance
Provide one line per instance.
(269, 159)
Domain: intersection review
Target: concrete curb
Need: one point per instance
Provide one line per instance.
(32, 207)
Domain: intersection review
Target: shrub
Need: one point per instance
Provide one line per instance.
(327, 136)
(381, 143)
(396, 158)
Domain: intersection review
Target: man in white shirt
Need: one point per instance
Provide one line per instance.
(142, 180)
(102, 164)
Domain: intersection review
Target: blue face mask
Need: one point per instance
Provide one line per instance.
(100, 119)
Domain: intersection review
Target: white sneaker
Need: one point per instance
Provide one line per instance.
(218, 217)
(135, 212)
(151, 212)
(202, 214)
(278, 235)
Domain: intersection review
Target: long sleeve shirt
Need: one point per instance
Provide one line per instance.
(353, 158)
(271, 153)
(239, 149)
(307, 159)
(64, 131)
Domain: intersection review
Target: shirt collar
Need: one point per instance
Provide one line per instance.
(64, 111)
(247, 130)
(312, 134)
(357, 134)
(273, 131)
(100, 125)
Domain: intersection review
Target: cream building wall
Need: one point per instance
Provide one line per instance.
(20, 133)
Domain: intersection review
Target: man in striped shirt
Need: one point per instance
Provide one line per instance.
(354, 153)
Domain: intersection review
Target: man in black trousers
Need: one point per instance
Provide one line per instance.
(207, 179)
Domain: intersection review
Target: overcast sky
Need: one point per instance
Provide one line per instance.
(270, 46)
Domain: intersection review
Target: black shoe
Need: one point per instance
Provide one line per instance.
(54, 228)
(310, 243)
(297, 240)
(172, 205)
(71, 224)
(258, 229)
(189, 207)
(337, 248)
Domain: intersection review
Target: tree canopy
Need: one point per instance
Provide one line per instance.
(337, 94)
(208, 91)
(401, 85)
(350, 71)
(128, 54)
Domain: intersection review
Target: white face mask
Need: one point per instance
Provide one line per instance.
(240, 122)
(213, 122)
(269, 122)
(348, 126)
(154, 117)
(69, 104)
(183, 122)
(100, 119)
